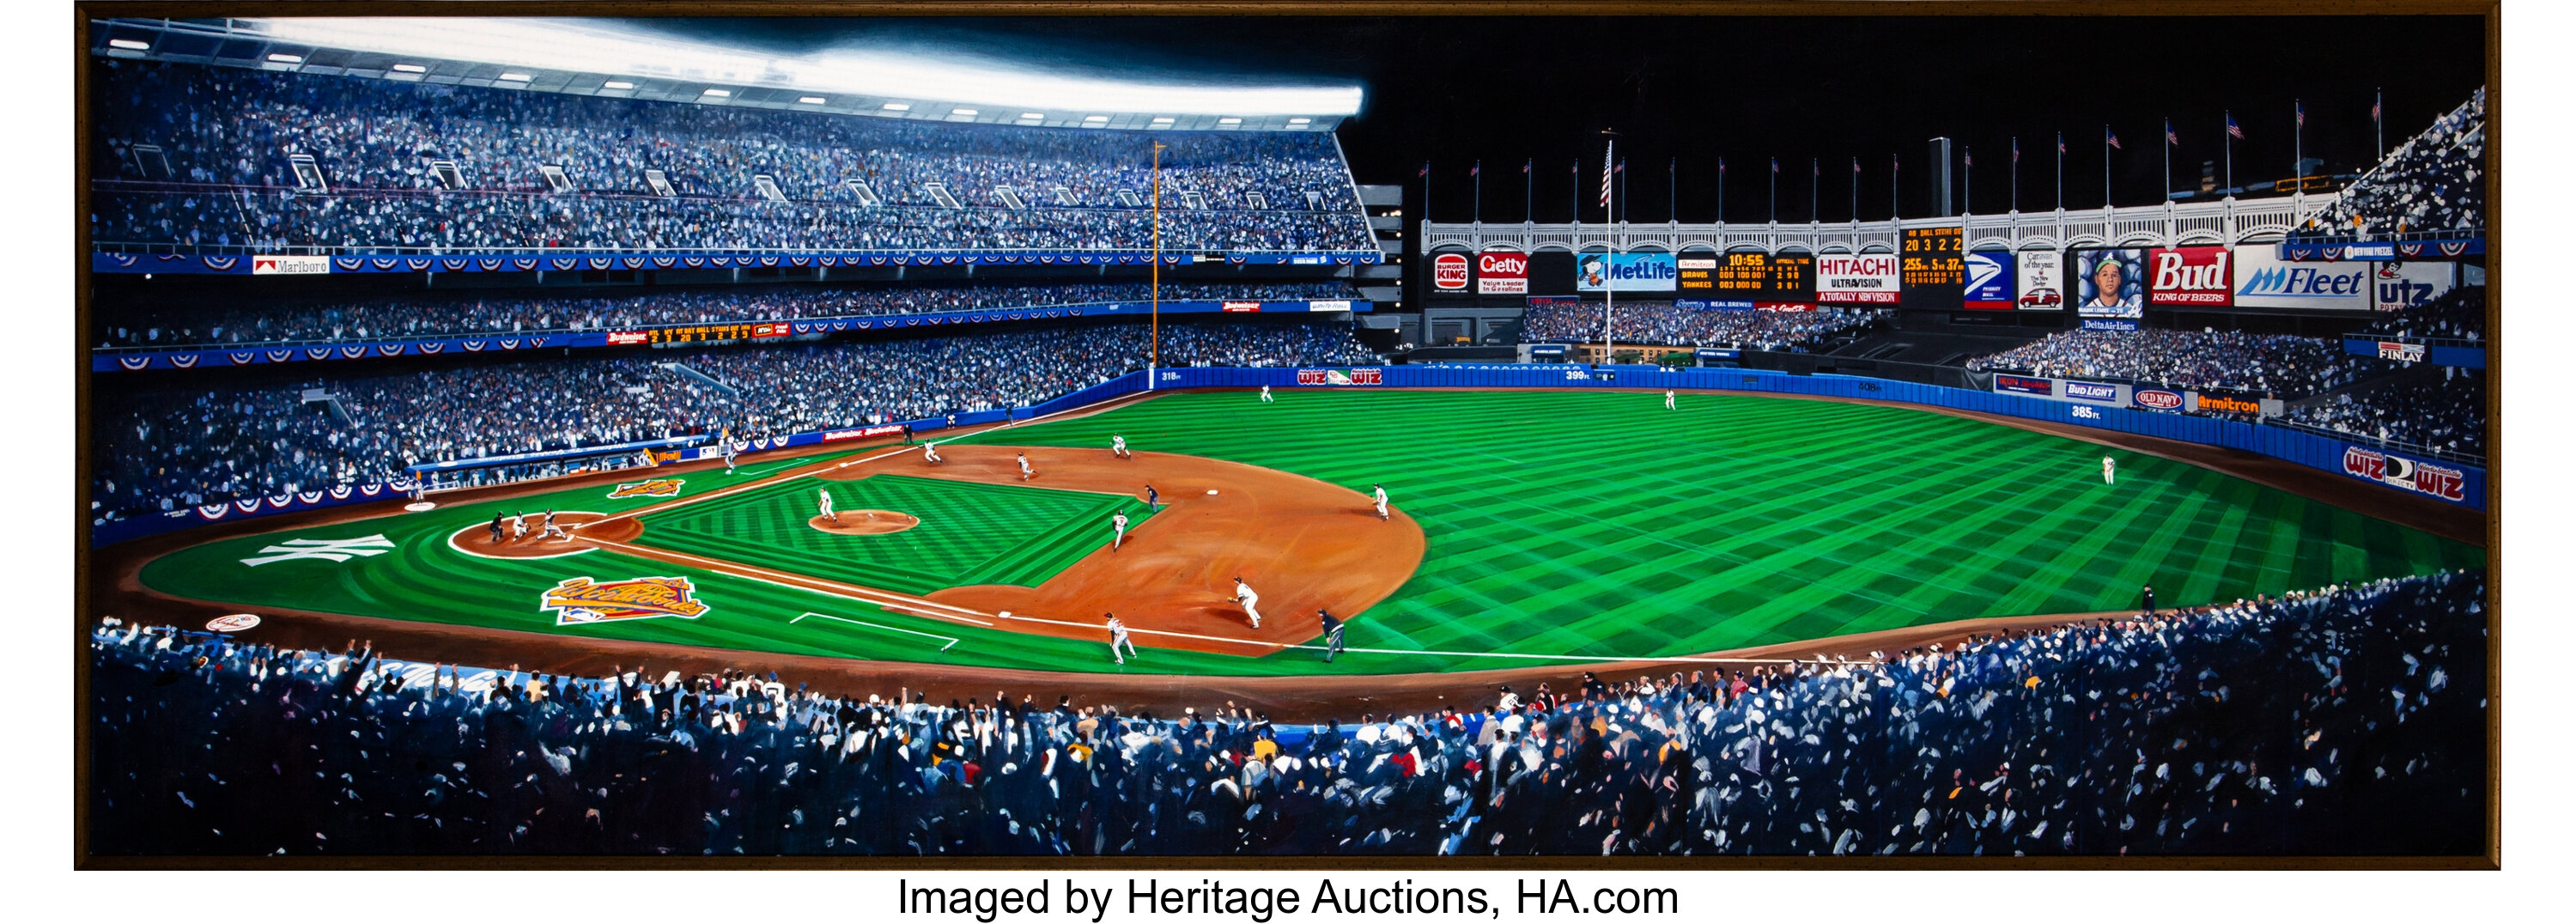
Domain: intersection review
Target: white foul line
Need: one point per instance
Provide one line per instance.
(737, 489)
(951, 639)
(1417, 651)
(885, 599)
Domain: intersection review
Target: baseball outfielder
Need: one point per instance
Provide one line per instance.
(2106, 468)
(1243, 594)
(729, 456)
(1265, 394)
(551, 529)
(1118, 447)
(930, 453)
(1118, 638)
(1025, 471)
(827, 506)
(1668, 400)
(1378, 496)
(1118, 527)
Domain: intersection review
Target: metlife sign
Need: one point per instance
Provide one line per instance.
(2264, 280)
(1626, 272)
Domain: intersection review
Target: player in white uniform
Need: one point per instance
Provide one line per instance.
(930, 453)
(1377, 496)
(729, 456)
(1118, 447)
(827, 506)
(1025, 471)
(1118, 638)
(519, 526)
(1118, 528)
(1243, 594)
(550, 529)
(2106, 469)
(1265, 394)
(1668, 400)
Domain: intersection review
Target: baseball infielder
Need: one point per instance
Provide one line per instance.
(1265, 394)
(827, 506)
(519, 526)
(551, 529)
(930, 453)
(1118, 526)
(1118, 638)
(2106, 469)
(1118, 447)
(1243, 594)
(1378, 496)
(1025, 471)
(1668, 400)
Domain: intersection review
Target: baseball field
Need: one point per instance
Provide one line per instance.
(1529, 528)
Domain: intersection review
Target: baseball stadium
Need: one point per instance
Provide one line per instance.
(808, 466)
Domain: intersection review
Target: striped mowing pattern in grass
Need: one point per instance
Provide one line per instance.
(969, 533)
(1737, 520)
(1600, 523)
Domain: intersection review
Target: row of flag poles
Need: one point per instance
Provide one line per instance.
(1615, 169)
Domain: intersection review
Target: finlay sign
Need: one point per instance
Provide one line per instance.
(2195, 276)
(1502, 273)
(1449, 272)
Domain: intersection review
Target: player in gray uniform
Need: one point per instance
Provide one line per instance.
(1118, 638)
(1118, 447)
(1118, 528)
(1243, 594)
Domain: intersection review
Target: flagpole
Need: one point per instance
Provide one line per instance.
(2106, 166)
(2169, 146)
(1775, 190)
(1154, 293)
(1855, 190)
(1529, 191)
(1815, 178)
(2013, 201)
(1894, 209)
(1673, 190)
(2061, 171)
(2378, 126)
(1967, 177)
(2298, 146)
(2227, 143)
(1721, 190)
(1476, 174)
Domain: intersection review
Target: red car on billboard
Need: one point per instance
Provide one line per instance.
(2041, 298)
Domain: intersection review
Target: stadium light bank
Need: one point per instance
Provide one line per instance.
(589, 56)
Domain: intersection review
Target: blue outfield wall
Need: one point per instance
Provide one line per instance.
(2462, 485)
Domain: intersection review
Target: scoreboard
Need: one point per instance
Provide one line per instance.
(1934, 272)
(1762, 277)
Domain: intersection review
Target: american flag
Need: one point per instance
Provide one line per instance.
(2111, 138)
(1855, 166)
(1775, 165)
(2301, 110)
(2061, 142)
(1477, 170)
(1967, 158)
(1426, 169)
(2232, 130)
(1721, 165)
(1525, 165)
(2374, 106)
(2170, 137)
(1606, 170)
(2016, 145)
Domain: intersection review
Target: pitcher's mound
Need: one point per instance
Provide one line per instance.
(866, 523)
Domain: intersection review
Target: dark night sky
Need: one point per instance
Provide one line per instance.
(1505, 89)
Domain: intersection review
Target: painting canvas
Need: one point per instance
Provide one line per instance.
(1094, 436)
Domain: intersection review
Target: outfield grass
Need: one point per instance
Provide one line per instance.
(1736, 521)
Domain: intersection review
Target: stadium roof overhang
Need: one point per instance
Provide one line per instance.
(583, 58)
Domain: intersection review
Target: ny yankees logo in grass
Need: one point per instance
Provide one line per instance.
(327, 549)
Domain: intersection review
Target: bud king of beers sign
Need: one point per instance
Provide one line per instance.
(1449, 272)
(2188, 276)
(1501, 274)
(1869, 278)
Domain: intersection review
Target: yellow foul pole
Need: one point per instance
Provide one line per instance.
(1154, 351)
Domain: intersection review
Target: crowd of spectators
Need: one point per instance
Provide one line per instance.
(2275, 365)
(1662, 324)
(2446, 413)
(2343, 721)
(171, 323)
(166, 449)
(2460, 314)
(2436, 181)
(224, 174)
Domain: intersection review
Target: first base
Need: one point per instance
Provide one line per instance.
(1211, 492)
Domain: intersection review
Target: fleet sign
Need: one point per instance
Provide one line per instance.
(2266, 281)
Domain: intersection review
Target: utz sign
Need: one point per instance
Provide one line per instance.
(1502, 274)
(2398, 471)
(581, 600)
(1341, 377)
(2402, 352)
(1449, 272)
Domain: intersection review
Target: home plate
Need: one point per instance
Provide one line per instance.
(1211, 492)
(418, 506)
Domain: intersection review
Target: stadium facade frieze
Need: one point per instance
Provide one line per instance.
(260, 264)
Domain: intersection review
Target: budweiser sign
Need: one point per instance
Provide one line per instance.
(2187, 276)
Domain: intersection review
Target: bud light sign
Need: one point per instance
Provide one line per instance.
(1449, 272)
(1625, 272)
(2092, 391)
